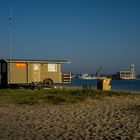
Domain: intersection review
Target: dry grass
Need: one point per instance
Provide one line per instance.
(55, 96)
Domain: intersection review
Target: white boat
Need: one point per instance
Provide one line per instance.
(85, 76)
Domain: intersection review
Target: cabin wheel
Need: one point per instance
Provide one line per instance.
(47, 83)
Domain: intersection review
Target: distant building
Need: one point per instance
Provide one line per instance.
(126, 75)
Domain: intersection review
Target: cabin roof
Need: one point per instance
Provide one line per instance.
(39, 61)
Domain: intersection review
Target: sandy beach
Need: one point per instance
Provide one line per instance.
(100, 119)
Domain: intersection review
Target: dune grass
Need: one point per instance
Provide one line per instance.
(54, 96)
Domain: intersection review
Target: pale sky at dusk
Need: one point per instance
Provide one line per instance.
(89, 33)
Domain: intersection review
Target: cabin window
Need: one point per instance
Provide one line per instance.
(36, 67)
(20, 65)
(52, 67)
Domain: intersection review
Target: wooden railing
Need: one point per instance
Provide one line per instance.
(66, 77)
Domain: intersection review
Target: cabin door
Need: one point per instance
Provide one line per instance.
(0, 73)
(3, 73)
(36, 73)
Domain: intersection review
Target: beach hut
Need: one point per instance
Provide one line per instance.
(33, 72)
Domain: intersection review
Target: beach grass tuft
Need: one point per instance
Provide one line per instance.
(54, 96)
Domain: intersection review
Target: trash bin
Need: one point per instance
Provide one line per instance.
(104, 84)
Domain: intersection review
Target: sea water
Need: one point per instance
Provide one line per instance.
(128, 85)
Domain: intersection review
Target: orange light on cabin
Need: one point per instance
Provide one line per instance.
(20, 65)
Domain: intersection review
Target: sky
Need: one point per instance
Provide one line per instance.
(89, 33)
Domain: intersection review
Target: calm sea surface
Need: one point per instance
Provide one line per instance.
(129, 85)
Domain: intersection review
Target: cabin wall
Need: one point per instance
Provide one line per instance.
(52, 71)
(17, 73)
(22, 73)
(26, 72)
(29, 73)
